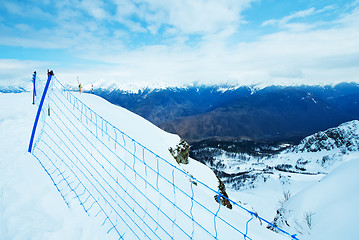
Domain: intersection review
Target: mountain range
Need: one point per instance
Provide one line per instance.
(287, 113)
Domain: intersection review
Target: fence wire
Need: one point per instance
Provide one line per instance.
(137, 193)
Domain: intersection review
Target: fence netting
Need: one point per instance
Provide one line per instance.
(136, 193)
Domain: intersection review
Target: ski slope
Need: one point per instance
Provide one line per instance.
(31, 207)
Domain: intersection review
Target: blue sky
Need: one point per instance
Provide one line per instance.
(159, 42)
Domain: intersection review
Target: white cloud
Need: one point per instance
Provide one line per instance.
(95, 8)
(75, 24)
(19, 72)
(203, 16)
(286, 19)
(189, 17)
(309, 54)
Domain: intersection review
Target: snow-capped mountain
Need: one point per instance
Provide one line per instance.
(14, 89)
(270, 113)
(344, 137)
(321, 152)
(197, 112)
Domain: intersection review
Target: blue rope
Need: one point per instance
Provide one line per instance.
(74, 174)
(191, 210)
(245, 235)
(156, 188)
(103, 168)
(215, 216)
(159, 175)
(94, 176)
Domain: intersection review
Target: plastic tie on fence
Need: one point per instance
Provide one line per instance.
(294, 236)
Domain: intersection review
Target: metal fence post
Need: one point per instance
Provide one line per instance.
(34, 91)
(49, 76)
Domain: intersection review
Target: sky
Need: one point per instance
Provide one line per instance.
(136, 43)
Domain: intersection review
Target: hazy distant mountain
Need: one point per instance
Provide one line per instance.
(161, 105)
(275, 112)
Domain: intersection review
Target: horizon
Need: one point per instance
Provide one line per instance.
(161, 43)
(134, 89)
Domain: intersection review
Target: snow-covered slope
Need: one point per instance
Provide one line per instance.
(317, 154)
(344, 137)
(32, 208)
(329, 208)
(320, 152)
(30, 205)
(311, 187)
(326, 209)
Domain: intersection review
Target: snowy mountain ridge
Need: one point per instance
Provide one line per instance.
(320, 152)
(344, 137)
(271, 113)
(317, 154)
(219, 87)
(133, 88)
(14, 89)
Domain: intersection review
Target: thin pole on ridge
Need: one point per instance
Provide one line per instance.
(49, 76)
(34, 91)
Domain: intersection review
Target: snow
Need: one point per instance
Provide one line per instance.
(329, 200)
(32, 208)
(133, 125)
(333, 204)
(325, 193)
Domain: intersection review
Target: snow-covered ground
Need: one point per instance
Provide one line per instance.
(329, 208)
(30, 205)
(32, 208)
(320, 206)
